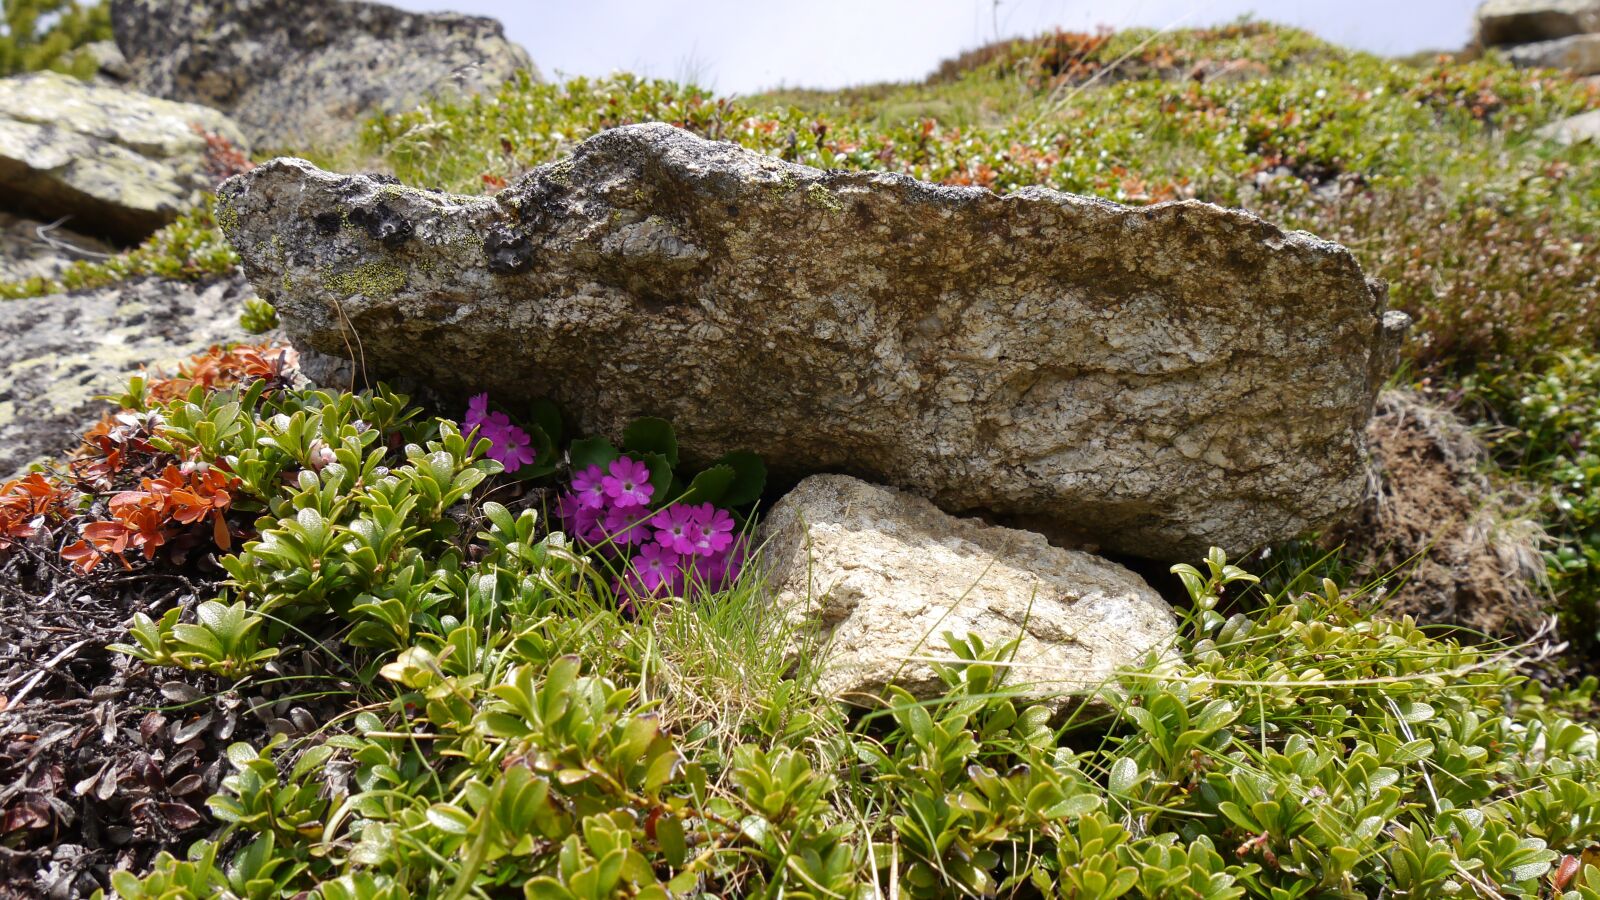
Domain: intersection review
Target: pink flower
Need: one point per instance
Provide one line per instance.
(512, 447)
(655, 567)
(712, 531)
(629, 483)
(675, 528)
(589, 487)
(494, 423)
(628, 525)
(580, 520)
(477, 411)
(710, 571)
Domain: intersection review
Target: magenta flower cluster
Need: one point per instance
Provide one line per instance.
(667, 549)
(508, 444)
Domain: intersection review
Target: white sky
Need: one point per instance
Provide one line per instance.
(742, 46)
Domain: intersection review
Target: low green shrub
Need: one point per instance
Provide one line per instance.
(1550, 437)
(50, 34)
(192, 248)
(513, 727)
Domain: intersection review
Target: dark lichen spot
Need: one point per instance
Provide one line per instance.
(507, 252)
(327, 224)
(382, 224)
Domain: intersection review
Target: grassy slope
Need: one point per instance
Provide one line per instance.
(1305, 749)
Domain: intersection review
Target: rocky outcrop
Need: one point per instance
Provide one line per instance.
(1551, 34)
(1507, 22)
(31, 249)
(62, 352)
(305, 73)
(873, 578)
(1153, 380)
(1573, 129)
(118, 164)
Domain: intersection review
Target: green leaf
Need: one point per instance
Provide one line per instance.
(652, 435)
(1125, 775)
(546, 416)
(749, 478)
(449, 819)
(592, 451)
(710, 486)
(660, 476)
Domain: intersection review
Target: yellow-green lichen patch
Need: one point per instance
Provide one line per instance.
(226, 216)
(378, 280)
(817, 195)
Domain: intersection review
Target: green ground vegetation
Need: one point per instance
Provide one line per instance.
(49, 34)
(515, 729)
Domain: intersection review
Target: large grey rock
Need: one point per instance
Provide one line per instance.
(1153, 380)
(1502, 22)
(119, 164)
(1578, 54)
(32, 249)
(306, 73)
(1574, 129)
(875, 578)
(59, 353)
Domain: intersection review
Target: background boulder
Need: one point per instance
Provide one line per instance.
(1153, 380)
(305, 73)
(1503, 22)
(119, 164)
(1578, 54)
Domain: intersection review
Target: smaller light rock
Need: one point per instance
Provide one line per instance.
(1573, 129)
(879, 575)
(1578, 54)
(111, 67)
(119, 164)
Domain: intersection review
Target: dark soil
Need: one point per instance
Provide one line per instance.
(104, 761)
(1465, 554)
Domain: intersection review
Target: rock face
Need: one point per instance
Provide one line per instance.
(30, 249)
(1504, 22)
(1578, 54)
(1571, 130)
(61, 352)
(1152, 380)
(299, 73)
(119, 164)
(880, 575)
